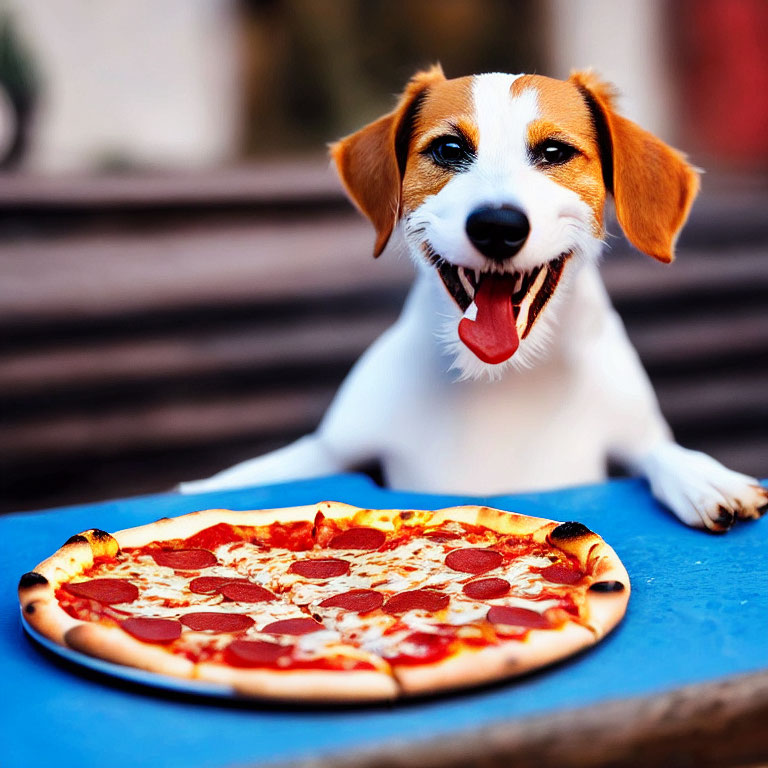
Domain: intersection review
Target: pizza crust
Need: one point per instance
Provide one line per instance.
(37, 588)
(43, 612)
(493, 663)
(504, 522)
(577, 540)
(304, 684)
(606, 609)
(469, 667)
(114, 645)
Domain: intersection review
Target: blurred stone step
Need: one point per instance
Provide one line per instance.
(165, 425)
(32, 205)
(59, 376)
(170, 358)
(692, 403)
(634, 279)
(203, 319)
(696, 344)
(164, 414)
(102, 278)
(729, 211)
(93, 280)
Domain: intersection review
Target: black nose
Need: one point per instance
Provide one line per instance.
(498, 233)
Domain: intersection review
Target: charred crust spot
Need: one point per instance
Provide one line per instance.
(570, 530)
(95, 538)
(30, 608)
(761, 510)
(160, 519)
(407, 515)
(554, 271)
(32, 579)
(607, 586)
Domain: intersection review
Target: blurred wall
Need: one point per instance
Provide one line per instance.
(625, 41)
(724, 62)
(132, 83)
(317, 69)
(123, 83)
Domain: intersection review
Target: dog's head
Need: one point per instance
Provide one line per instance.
(499, 182)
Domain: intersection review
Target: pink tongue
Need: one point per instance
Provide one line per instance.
(492, 336)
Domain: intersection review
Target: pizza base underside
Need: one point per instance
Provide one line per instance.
(601, 611)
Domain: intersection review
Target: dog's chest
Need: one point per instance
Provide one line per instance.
(533, 430)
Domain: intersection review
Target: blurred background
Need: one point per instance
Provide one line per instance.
(183, 284)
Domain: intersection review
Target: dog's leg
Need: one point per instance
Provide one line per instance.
(307, 457)
(344, 440)
(697, 488)
(353, 431)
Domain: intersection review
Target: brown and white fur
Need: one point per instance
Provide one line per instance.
(574, 394)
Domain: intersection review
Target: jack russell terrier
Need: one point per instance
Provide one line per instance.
(508, 369)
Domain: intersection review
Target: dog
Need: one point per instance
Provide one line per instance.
(508, 369)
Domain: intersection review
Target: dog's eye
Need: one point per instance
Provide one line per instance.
(552, 152)
(449, 152)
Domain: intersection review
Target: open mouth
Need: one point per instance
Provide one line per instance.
(500, 308)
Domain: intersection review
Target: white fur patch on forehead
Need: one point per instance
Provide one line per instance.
(502, 121)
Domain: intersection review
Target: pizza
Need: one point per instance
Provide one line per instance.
(329, 602)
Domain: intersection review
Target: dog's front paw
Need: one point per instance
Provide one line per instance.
(701, 491)
(753, 503)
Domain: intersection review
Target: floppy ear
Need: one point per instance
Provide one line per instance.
(371, 162)
(652, 184)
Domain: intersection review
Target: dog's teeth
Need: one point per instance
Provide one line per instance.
(470, 313)
(466, 282)
(521, 323)
(477, 276)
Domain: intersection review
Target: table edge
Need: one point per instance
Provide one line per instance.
(713, 724)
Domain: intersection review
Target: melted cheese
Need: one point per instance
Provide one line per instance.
(416, 564)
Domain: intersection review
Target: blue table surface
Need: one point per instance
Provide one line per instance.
(698, 611)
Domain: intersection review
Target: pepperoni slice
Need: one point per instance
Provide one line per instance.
(320, 568)
(107, 591)
(152, 630)
(417, 599)
(517, 617)
(486, 589)
(246, 592)
(421, 648)
(358, 538)
(185, 559)
(254, 653)
(207, 585)
(473, 560)
(216, 622)
(292, 627)
(561, 574)
(356, 600)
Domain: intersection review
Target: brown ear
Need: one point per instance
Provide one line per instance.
(652, 184)
(371, 162)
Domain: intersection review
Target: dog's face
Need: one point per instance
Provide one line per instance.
(499, 183)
